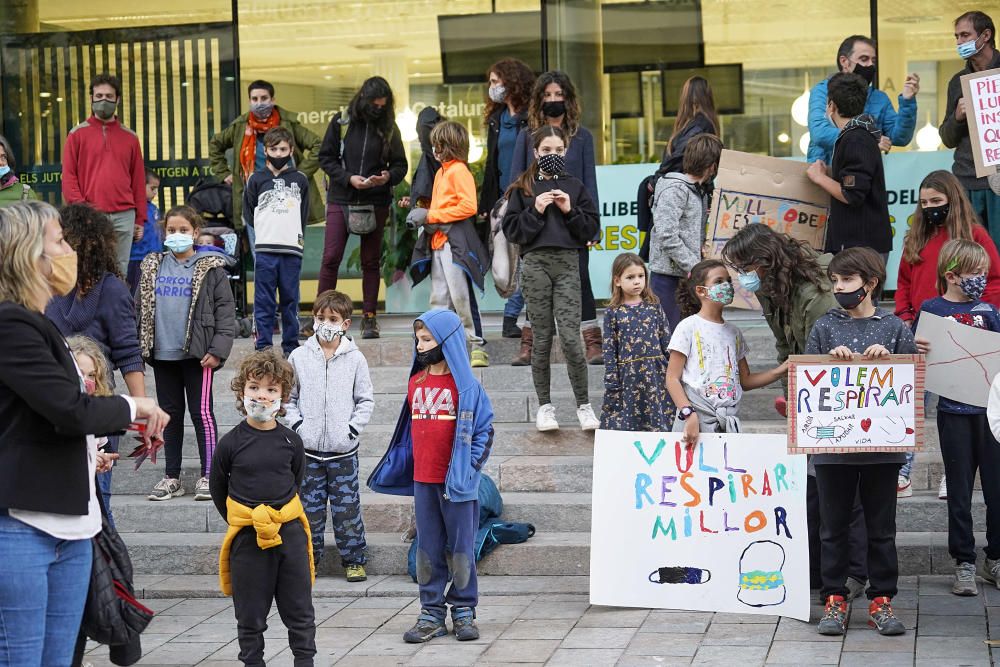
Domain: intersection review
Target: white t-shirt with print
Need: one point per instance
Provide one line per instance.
(713, 353)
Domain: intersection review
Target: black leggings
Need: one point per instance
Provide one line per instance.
(176, 380)
(588, 307)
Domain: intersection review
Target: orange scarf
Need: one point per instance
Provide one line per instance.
(248, 150)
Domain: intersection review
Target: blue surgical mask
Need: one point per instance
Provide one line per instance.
(968, 49)
(4, 170)
(721, 293)
(178, 243)
(749, 281)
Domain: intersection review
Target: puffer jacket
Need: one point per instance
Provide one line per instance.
(332, 399)
(211, 324)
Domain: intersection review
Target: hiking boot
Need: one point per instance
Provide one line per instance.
(943, 488)
(355, 572)
(479, 358)
(369, 326)
(904, 489)
(991, 571)
(167, 488)
(463, 620)
(426, 628)
(592, 346)
(588, 420)
(965, 579)
(881, 618)
(545, 419)
(523, 357)
(510, 328)
(855, 588)
(201, 490)
(834, 621)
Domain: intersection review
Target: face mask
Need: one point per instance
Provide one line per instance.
(262, 110)
(866, 72)
(552, 164)
(376, 111)
(968, 49)
(435, 355)
(936, 215)
(259, 411)
(178, 243)
(4, 170)
(326, 331)
(62, 280)
(553, 109)
(749, 281)
(851, 300)
(104, 109)
(721, 293)
(973, 286)
(89, 386)
(279, 162)
(498, 94)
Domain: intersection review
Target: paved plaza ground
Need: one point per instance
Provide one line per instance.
(563, 629)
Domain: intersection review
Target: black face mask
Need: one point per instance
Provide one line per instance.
(435, 355)
(376, 111)
(866, 72)
(554, 109)
(936, 215)
(851, 300)
(279, 162)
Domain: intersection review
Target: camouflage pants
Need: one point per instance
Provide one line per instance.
(550, 280)
(336, 481)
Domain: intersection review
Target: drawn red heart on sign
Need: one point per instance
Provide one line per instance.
(909, 431)
(866, 424)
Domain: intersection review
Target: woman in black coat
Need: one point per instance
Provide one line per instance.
(48, 504)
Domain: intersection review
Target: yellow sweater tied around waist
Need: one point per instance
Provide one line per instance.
(267, 521)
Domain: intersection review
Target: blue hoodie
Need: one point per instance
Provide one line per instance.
(473, 430)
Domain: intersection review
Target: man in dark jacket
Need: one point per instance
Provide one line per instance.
(975, 35)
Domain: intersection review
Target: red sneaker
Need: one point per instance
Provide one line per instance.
(781, 406)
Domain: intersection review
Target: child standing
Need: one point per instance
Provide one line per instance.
(187, 321)
(966, 441)
(551, 216)
(858, 327)
(708, 371)
(96, 374)
(636, 338)
(330, 404)
(442, 440)
(276, 207)
(266, 554)
(148, 239)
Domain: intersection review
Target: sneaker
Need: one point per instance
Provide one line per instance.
(881, 618)
(943, 489)
(166, 489)
(463, 619)
(834, 621)
(965, 579)
(588, 421)
(991, 571)
(369, 326)
(545, 419)
(781, 406)
(355, 572)
(855, 588)
(479, 358)
(904, 489)
(426, 628)
(201, 491)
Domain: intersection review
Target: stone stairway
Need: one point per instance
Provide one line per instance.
(545, 479)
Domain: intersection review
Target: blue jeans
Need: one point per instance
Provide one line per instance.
(252, 240)
(987, 207)
(665, 288)
(43, 587)
(514, 305)
(275, 272)
(104, 480)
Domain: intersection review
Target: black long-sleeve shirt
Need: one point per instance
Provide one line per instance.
(257, 467)
(524, 225)
(864, 219)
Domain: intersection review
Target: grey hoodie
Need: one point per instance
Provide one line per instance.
(332, 399)
(679, 213)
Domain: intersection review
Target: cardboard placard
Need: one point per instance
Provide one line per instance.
(847, 407)
(963, 359)
(717, 527)
(755, 189)
(981, 91)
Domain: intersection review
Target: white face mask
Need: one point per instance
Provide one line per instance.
(260, 411)
(326, 331)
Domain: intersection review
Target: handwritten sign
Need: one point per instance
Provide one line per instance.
(982, 112)
(855, 406)
(963, 359)
(717, 527)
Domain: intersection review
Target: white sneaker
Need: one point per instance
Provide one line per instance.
(201, 490)
(588, 421)
(904, 489)
(545, 419)
(943, 488)
(166, 489)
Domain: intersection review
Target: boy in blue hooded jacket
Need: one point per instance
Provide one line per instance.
(436, 454)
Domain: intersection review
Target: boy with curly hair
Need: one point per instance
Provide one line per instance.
(267, 551)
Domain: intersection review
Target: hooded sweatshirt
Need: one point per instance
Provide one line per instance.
(103, 167)
(332, 399)
(173, 303)
(679, 214)
(473, 439)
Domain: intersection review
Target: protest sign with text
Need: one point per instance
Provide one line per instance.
(981, 92)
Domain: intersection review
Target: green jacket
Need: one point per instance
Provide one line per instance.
(306, 151)
(16, 192)
(791, 327)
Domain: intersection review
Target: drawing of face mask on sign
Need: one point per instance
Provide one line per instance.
(762, 583)
(680, 575)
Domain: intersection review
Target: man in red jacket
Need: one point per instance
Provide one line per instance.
(103, 167)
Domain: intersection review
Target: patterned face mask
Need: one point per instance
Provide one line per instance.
(326, 331)
(721, 293)
(973, 286)
(260, 411)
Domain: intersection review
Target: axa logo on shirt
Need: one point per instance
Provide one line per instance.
(173, 286)
(432, 403)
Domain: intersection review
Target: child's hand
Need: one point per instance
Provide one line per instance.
(816, 171)
(137, 234)
(561, 200)
(876, 351)
(404, 202)
(691, 430)
(210, 361)
(542, 201)
(923, 345)
(843, 353)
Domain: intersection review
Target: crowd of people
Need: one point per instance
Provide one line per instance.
(106, 284)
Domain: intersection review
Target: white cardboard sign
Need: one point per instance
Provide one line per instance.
(963, 359)
(981, 91)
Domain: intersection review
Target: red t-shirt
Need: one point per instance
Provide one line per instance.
(433, 407)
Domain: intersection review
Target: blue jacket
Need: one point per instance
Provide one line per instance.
(151, 240)
(473, 429)
(823, 134)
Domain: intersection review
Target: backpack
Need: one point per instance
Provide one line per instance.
(214, 201)
(506, 255)
(644, 211)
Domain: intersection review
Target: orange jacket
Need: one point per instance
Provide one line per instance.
(453, 198)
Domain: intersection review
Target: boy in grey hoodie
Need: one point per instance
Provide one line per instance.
(330, 404)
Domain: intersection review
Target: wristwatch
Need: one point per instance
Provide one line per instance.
(685, 412)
